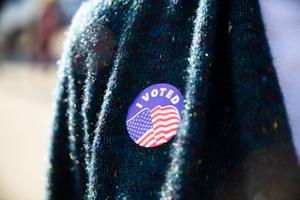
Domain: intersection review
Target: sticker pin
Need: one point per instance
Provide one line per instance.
(153, 117)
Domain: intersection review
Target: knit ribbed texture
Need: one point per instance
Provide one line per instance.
(216, 53)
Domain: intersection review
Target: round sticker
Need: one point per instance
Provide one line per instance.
(153, 117)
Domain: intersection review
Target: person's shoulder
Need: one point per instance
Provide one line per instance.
(93, 35)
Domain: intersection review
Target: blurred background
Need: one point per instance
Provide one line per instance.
(31, 37)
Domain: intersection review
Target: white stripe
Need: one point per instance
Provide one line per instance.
(141, 138)
(164, 117)
(164, 111)
(158, 123)
(147, 139)
(165, 129)
(161, 141)
(163, 107)
(150, 143)
(166, 135)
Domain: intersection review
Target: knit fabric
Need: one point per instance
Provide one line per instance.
(234, 134)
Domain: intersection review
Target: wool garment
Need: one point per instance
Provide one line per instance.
(234, 140)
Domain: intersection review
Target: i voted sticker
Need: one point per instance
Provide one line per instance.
(153, 117)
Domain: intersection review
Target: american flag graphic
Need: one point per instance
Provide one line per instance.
(150, 128)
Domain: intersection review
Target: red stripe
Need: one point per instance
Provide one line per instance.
(150, 141)
(163, 137)
(165, 114)
(166, 132)
(164, 120)
(162, 108)
(160, 111)
(165, 126)
(153, 144)
(151, 133)
(158, 139)
(151, 138)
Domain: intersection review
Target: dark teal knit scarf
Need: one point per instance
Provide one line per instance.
(234, 140)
